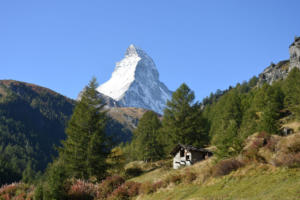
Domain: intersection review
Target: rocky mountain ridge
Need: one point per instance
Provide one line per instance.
(281, 69)
(135, 83)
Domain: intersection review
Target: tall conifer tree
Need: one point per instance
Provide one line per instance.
(183, 121)
(84, 151)
(226, 123)
(292, 92)
(268, 102)
(146, 138)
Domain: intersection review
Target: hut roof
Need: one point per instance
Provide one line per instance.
(189, 148)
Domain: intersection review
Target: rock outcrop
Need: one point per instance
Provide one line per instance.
(280, 70)
(274, 72)
(295, 53)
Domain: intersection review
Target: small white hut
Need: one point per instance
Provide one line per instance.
(186, 155)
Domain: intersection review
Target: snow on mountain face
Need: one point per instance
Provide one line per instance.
(135, 82)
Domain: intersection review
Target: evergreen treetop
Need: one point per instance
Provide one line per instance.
(85, 149)
(183, 121)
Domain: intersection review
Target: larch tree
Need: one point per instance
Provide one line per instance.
(146, 138)
(292, 92)
(226, 123)
(183, 121)
(268, 102)
(85, 150)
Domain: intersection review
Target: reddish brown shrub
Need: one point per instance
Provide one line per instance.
(224, 167)
(147, 188)
(251, 152)
(120, 193)
(9, 189)
(289, 160)
(125, 191)
(16, 191)
(5, 197)
(159, 184)
(271, 144)
(7, 192)
(294, 147)
(132, 188)
(81, 190)
(189, 176)
(20, 196)
(174, 178)
(107, 186)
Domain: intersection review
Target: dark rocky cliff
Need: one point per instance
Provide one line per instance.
(281, 69)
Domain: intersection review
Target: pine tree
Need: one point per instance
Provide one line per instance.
(56, 182)
(229, 143)
(28, 174)
(84, 150)
(268, 102)
(226, 124)
(292, 92)
(116, 161)
(96, 156)
(145, 139)
(183, 121)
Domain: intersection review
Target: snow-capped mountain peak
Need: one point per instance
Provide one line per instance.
(132, 50)
(135, 82)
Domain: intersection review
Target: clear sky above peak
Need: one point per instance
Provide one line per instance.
(207, 44)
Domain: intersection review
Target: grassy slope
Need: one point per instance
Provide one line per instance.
(254, 181)
(251, 182)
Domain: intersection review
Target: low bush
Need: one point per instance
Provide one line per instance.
(107, 186)
(9, 189)
(147, 188)
(133, 172)
(271, 144)
(174, 178)
(133, 188)
(16, 191)
(159, 184)
(289, 160)
(254, 143)
(224, 167)
(189, 176)
(81, 190)
(125, 191)
(120, 193)
(288, 151)
(20, 196)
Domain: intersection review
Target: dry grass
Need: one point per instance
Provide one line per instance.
(127, 116)
(255, 181)
(293, 125)
(288, 151)
(153, 171)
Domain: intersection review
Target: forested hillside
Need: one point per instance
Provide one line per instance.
(247, 109)
(243, 125)
(32, 124)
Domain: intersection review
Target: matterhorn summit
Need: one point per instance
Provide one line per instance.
(135, 82)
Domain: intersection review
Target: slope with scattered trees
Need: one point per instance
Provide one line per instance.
(32, 124)
(244, 123)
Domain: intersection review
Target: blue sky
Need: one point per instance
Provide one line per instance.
(61, 44)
